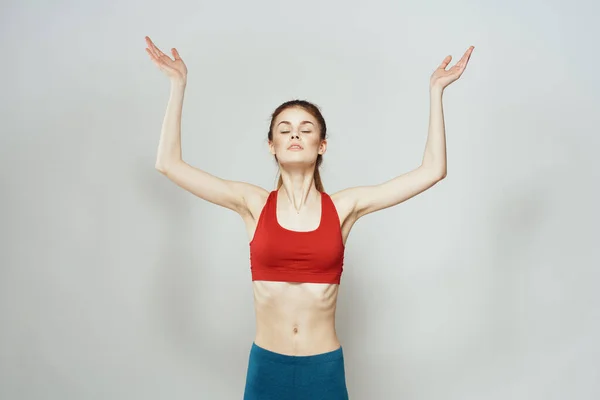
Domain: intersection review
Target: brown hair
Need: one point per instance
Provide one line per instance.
(313, 110)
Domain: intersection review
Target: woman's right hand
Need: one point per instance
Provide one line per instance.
(175, 69)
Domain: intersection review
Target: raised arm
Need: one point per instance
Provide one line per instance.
(226, 193)
(367, 199)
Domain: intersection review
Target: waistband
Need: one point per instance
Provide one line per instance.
(269, 355)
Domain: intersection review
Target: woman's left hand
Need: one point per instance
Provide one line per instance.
(442, 77)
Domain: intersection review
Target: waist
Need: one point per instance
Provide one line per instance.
(295, 318)
(278, 359)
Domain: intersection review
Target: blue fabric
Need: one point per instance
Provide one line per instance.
(274, 376)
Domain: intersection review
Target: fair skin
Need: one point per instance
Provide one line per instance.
(298, 318)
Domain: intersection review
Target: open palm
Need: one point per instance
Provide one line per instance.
(174, 68)
(442, 77)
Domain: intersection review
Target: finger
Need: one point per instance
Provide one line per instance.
(153, 56)
(465, 58)
(163, 67)
(160, 56)
(155, 49)
(158, 61)
(151, 47)
(151, 50)
(175, 54)
(445, 63)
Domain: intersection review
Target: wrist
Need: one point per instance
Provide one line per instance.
(178, 82)
(436, 90)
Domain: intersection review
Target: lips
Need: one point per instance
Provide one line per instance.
(295, 147)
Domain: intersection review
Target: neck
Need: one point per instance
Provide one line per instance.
(299, 189)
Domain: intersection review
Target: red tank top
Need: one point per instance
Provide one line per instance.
(280, 254)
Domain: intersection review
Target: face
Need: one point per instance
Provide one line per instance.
(296, 137)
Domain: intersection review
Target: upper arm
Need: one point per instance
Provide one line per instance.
(367, 199)
(229, 194)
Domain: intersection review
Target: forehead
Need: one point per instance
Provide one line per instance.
(295, 115)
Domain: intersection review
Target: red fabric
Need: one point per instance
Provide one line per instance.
(280, 254)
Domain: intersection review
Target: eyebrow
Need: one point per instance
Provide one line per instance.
(289, 123)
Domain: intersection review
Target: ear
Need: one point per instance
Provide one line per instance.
(323, 146)
(271, 147)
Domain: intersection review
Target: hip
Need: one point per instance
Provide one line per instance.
(273, 375)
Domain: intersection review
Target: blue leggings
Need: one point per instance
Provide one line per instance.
(275, 376)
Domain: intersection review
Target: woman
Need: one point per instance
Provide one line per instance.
(297, 233)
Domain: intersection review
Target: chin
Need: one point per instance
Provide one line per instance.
(295, 161)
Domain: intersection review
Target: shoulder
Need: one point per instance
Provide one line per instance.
(345, 203)
(255, 198)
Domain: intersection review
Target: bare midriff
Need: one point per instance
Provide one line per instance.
(295, 319)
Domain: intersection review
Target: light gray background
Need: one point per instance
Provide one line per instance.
(117, 284)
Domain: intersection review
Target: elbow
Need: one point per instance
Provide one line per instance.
(439, 172)
(441, 175)
(436, 173)
(165, 164)
(166, 167)
(161, 167)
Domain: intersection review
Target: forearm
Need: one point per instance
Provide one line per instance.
(169, 145)
(434, 157)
